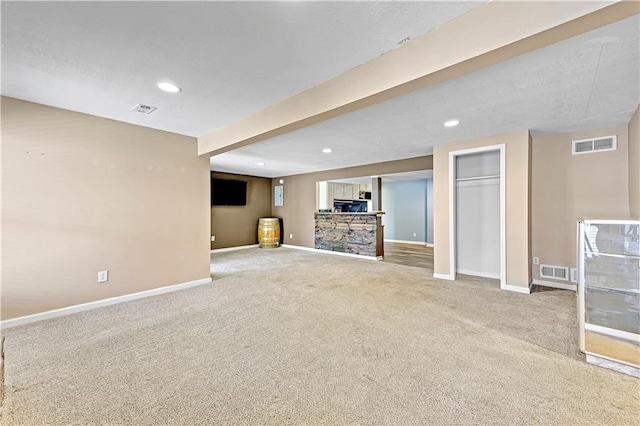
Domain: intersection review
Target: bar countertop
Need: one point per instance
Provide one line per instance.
(351, 213)
(358, 233)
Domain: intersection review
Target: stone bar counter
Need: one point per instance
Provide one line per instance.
(355, 233)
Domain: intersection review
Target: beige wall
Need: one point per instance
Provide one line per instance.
(634, 165)
(238, 225)
(82, 194)
(566, 187)
(517, 203)
(300, 195)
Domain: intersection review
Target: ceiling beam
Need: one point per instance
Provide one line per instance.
(485, 36)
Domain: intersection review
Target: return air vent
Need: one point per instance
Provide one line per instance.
(585, 146)
(145, 109)
(554, 272)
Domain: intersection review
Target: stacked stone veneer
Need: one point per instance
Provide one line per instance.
(348, 233)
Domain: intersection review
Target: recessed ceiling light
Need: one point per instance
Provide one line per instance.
(451, 123)
(261, 164)
(327, 150)
(169, 87)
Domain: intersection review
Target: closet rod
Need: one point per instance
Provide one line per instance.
(477, 178)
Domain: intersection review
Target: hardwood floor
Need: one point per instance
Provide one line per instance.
(408, 254)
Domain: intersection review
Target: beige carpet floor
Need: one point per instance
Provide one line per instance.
(284, 336)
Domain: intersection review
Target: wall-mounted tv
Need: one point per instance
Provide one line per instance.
(226, 192)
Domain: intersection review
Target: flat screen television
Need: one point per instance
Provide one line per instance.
(226, 192)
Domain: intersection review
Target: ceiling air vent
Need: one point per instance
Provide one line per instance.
(585, 146)
(145, 109)
(554, 272)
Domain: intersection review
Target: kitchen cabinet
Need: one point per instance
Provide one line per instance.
(363, 189)
(343, 191)
(367, 187)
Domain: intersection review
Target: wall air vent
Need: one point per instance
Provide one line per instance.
(554, 272)
(585, 146)
(145, 109)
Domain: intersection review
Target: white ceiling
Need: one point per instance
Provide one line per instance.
(589, 81)
(235, 58)
(230, 58)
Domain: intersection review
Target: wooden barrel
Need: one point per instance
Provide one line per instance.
(269, 232)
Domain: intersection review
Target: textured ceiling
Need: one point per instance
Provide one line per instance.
(235, 58)
(230, 58)
(589, 81)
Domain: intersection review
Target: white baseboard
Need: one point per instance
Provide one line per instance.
(14, 322)
(443, 276)
(429, 244)
(420, 243)
(515, 288)
(339, 253)
(220, 250)
(518, 289)
(613, 365)
(562, 286)
(479, 274)
(291, 246)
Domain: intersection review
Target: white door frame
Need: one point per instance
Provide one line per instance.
(452, 209)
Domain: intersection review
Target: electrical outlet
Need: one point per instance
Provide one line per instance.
(415, 234)
(291, 236)
(536, 260)
(103, 276)
(574, 275)
(213, 238)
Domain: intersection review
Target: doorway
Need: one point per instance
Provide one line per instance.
(418, 255)
(477, 213)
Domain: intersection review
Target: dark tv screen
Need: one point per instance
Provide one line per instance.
(225, 192)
